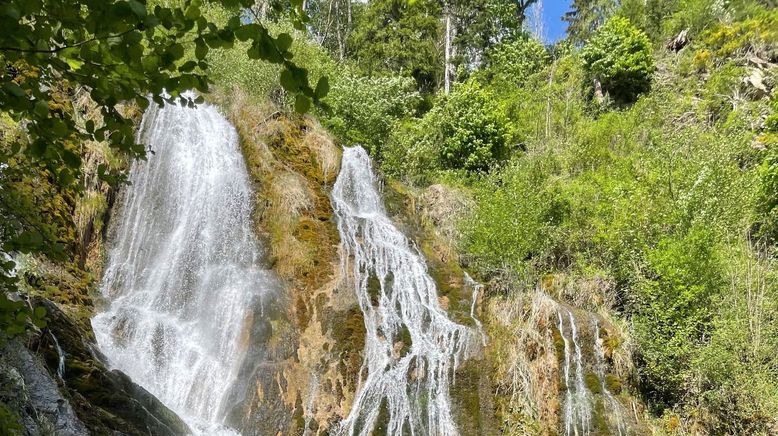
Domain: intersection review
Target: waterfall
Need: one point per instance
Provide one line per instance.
(578, 399)
(404, 384)
(182, 279)
(477, 289)
(615, 418)
(60, 358)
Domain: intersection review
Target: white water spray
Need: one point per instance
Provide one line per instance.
(578, 399)
(407, 383)
(182, 277)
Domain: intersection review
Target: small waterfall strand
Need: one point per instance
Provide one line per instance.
(615, 418)
(578, 399)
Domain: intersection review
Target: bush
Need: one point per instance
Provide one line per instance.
(756, 35)
(466, 130)
(513, 62)
(767, 200)
(514, 217)
(619, 57)
(674, 308)
(366, 110)
(470, 129)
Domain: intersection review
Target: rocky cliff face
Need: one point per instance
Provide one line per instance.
(55, 380)
(308, 347)
(304, 350)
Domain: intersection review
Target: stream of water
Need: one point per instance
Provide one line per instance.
(182, 278)
(411, 348)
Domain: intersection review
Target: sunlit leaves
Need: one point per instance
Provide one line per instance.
(119, 51)
(114, 52)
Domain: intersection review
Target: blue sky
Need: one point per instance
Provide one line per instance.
(554, 27)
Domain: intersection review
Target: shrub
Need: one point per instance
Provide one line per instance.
(754, 35)
(514, 218)
(619, 57)
(674, 307)
(767, 200)
(366, 110)
(513, 62)
(470, 129)
(466, 130)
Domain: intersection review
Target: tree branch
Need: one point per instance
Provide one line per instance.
(58, 49)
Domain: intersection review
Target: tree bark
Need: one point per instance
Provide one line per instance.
(447, 65)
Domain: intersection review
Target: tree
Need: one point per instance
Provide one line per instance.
(586, 16)
(482, 24)
(331, 24)
(382, 103)
(400, 37)
(619, 58)
(469, 129)
(117, 51)
(515, 61)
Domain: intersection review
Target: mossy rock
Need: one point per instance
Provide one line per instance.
(593, 383)
(106, 401)
(613, 384)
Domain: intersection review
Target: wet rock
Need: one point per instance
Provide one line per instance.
(105, 401)
(28, 388)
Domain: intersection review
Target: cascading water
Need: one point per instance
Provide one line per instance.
(583, 408)
(60, 357)
(477, 289)
(615, 418)
(578, 399)
(182, 279)
(407, 383)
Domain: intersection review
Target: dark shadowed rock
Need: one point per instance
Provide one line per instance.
(88, 398)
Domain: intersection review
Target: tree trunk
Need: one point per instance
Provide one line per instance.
(339, 28)
(447, 65)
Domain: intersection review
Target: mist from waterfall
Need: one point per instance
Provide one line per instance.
(411, 348)
(182, 280)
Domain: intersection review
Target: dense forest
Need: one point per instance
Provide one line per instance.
(602, 208)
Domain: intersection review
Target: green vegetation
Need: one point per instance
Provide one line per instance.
(619, 57)
(604, 158)
(664, 185)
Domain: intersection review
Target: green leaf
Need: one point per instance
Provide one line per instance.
(302, 104)
(13, 89)
(28, 240)
(187, 67)
(201, 50)
(150, 63)
(284, 41)
(39, 312)
(71, 159)
(245, 32)
(9, 10)
(138, 8)
(288, 81)
(192, 12)
(65, 177)
(41, 108)
(322, 87)
(253, 52)
(90, 125)
(176, 50)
